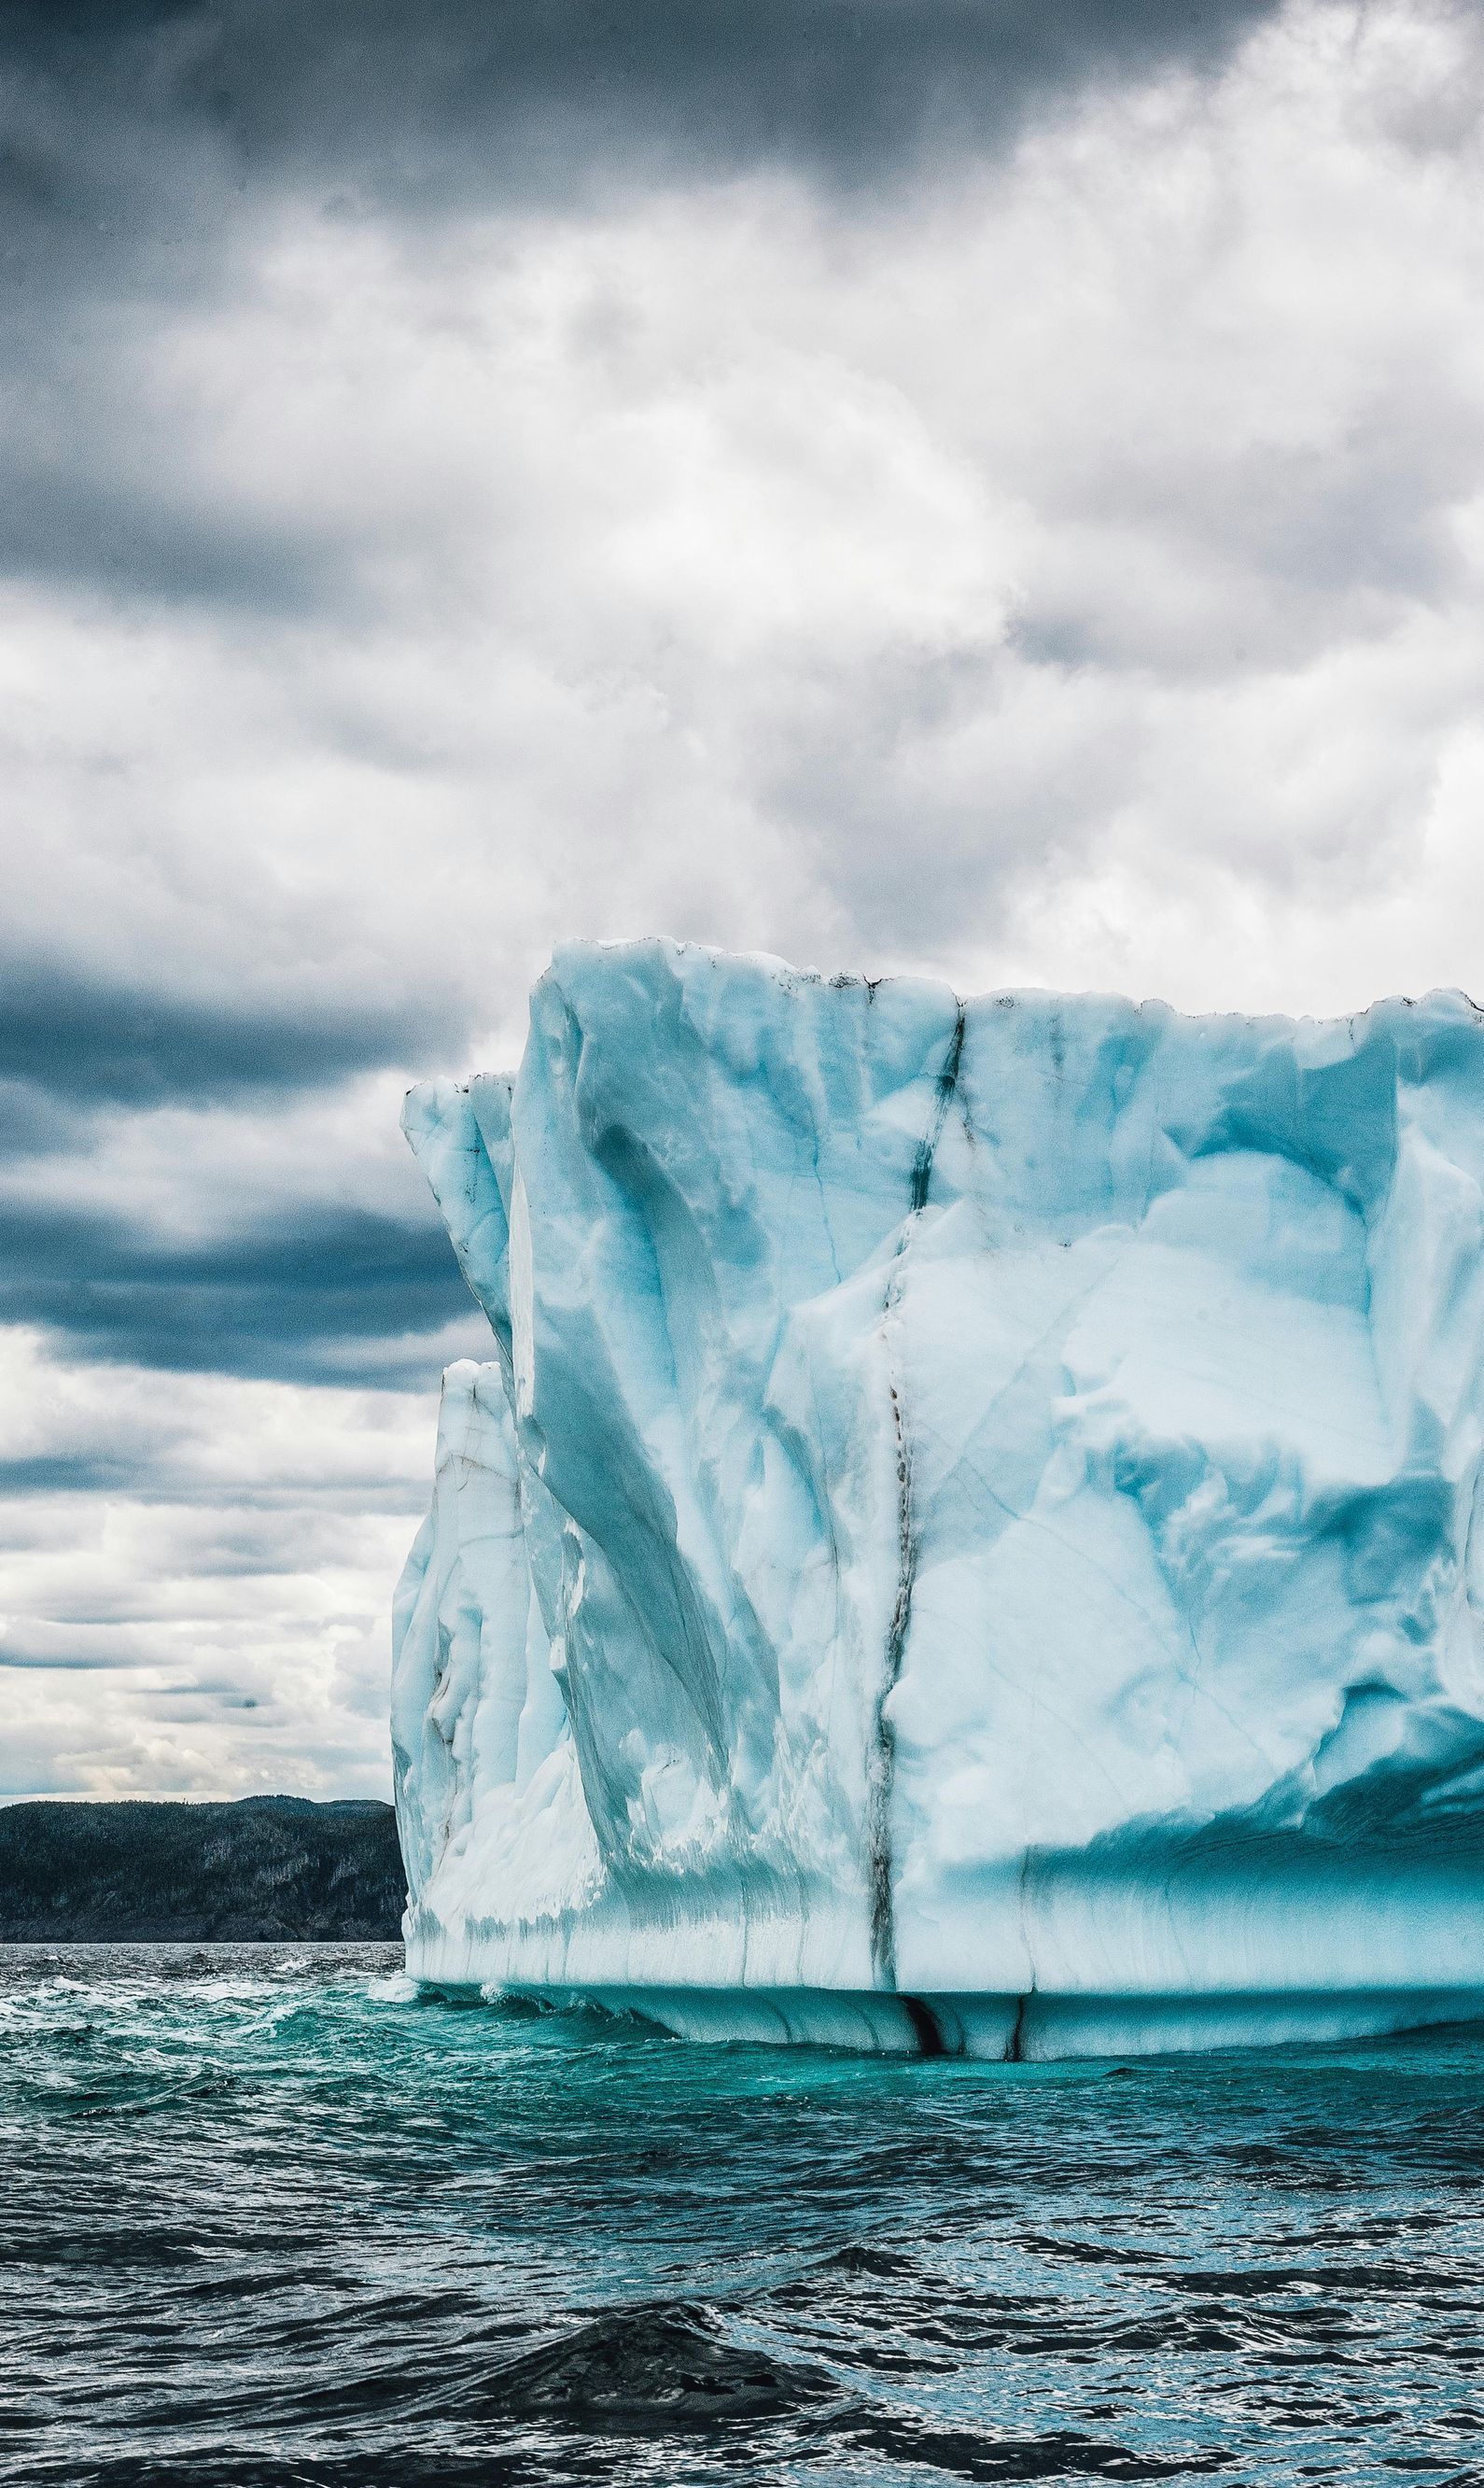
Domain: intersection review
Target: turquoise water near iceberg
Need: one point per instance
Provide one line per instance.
(269, 2216)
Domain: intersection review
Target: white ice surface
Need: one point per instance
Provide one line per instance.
(971, 1514)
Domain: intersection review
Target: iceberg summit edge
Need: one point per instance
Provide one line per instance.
(968, 1540)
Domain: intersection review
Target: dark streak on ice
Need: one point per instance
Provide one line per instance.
(882, 1765)
(925, 2030)
(927, 1147)
(1015, 2045)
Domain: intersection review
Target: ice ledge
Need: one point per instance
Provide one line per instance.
(1025, 2029)
(1002, 2029)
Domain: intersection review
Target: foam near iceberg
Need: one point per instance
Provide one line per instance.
(968, 1539)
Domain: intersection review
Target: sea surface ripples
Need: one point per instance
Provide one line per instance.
(270, 2217)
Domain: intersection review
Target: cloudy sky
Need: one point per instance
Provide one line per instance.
(965, 485)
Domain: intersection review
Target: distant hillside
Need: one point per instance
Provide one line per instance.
(263, 1870)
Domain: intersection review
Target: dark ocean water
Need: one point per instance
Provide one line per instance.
(269, 2216)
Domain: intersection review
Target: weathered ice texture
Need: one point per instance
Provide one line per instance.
(968, 1536)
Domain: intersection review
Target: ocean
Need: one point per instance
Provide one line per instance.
(270, 2215)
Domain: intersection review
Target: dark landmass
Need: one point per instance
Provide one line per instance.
(263, 1870)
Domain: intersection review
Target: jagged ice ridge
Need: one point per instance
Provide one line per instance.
(968, 1537)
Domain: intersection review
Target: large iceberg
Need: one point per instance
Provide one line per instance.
(970, 1537)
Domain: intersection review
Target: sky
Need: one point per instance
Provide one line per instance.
(956, 486)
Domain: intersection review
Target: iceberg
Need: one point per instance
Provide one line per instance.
(969, 1539)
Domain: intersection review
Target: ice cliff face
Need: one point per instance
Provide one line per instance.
(968, 1536)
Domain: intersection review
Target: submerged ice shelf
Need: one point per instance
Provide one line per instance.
(968, 1537)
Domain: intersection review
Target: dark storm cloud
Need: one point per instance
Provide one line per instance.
(316, 1294)
(336, 1296)
(138, 144)
(70, 1666)
(89, 1042)
(461, 99)
(71, 1473)
(78, 514)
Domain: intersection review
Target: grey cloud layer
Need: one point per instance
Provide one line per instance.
(84, 1041)
(144, 143)
(336, 1296)
(300, 1290)
(195, 1575)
